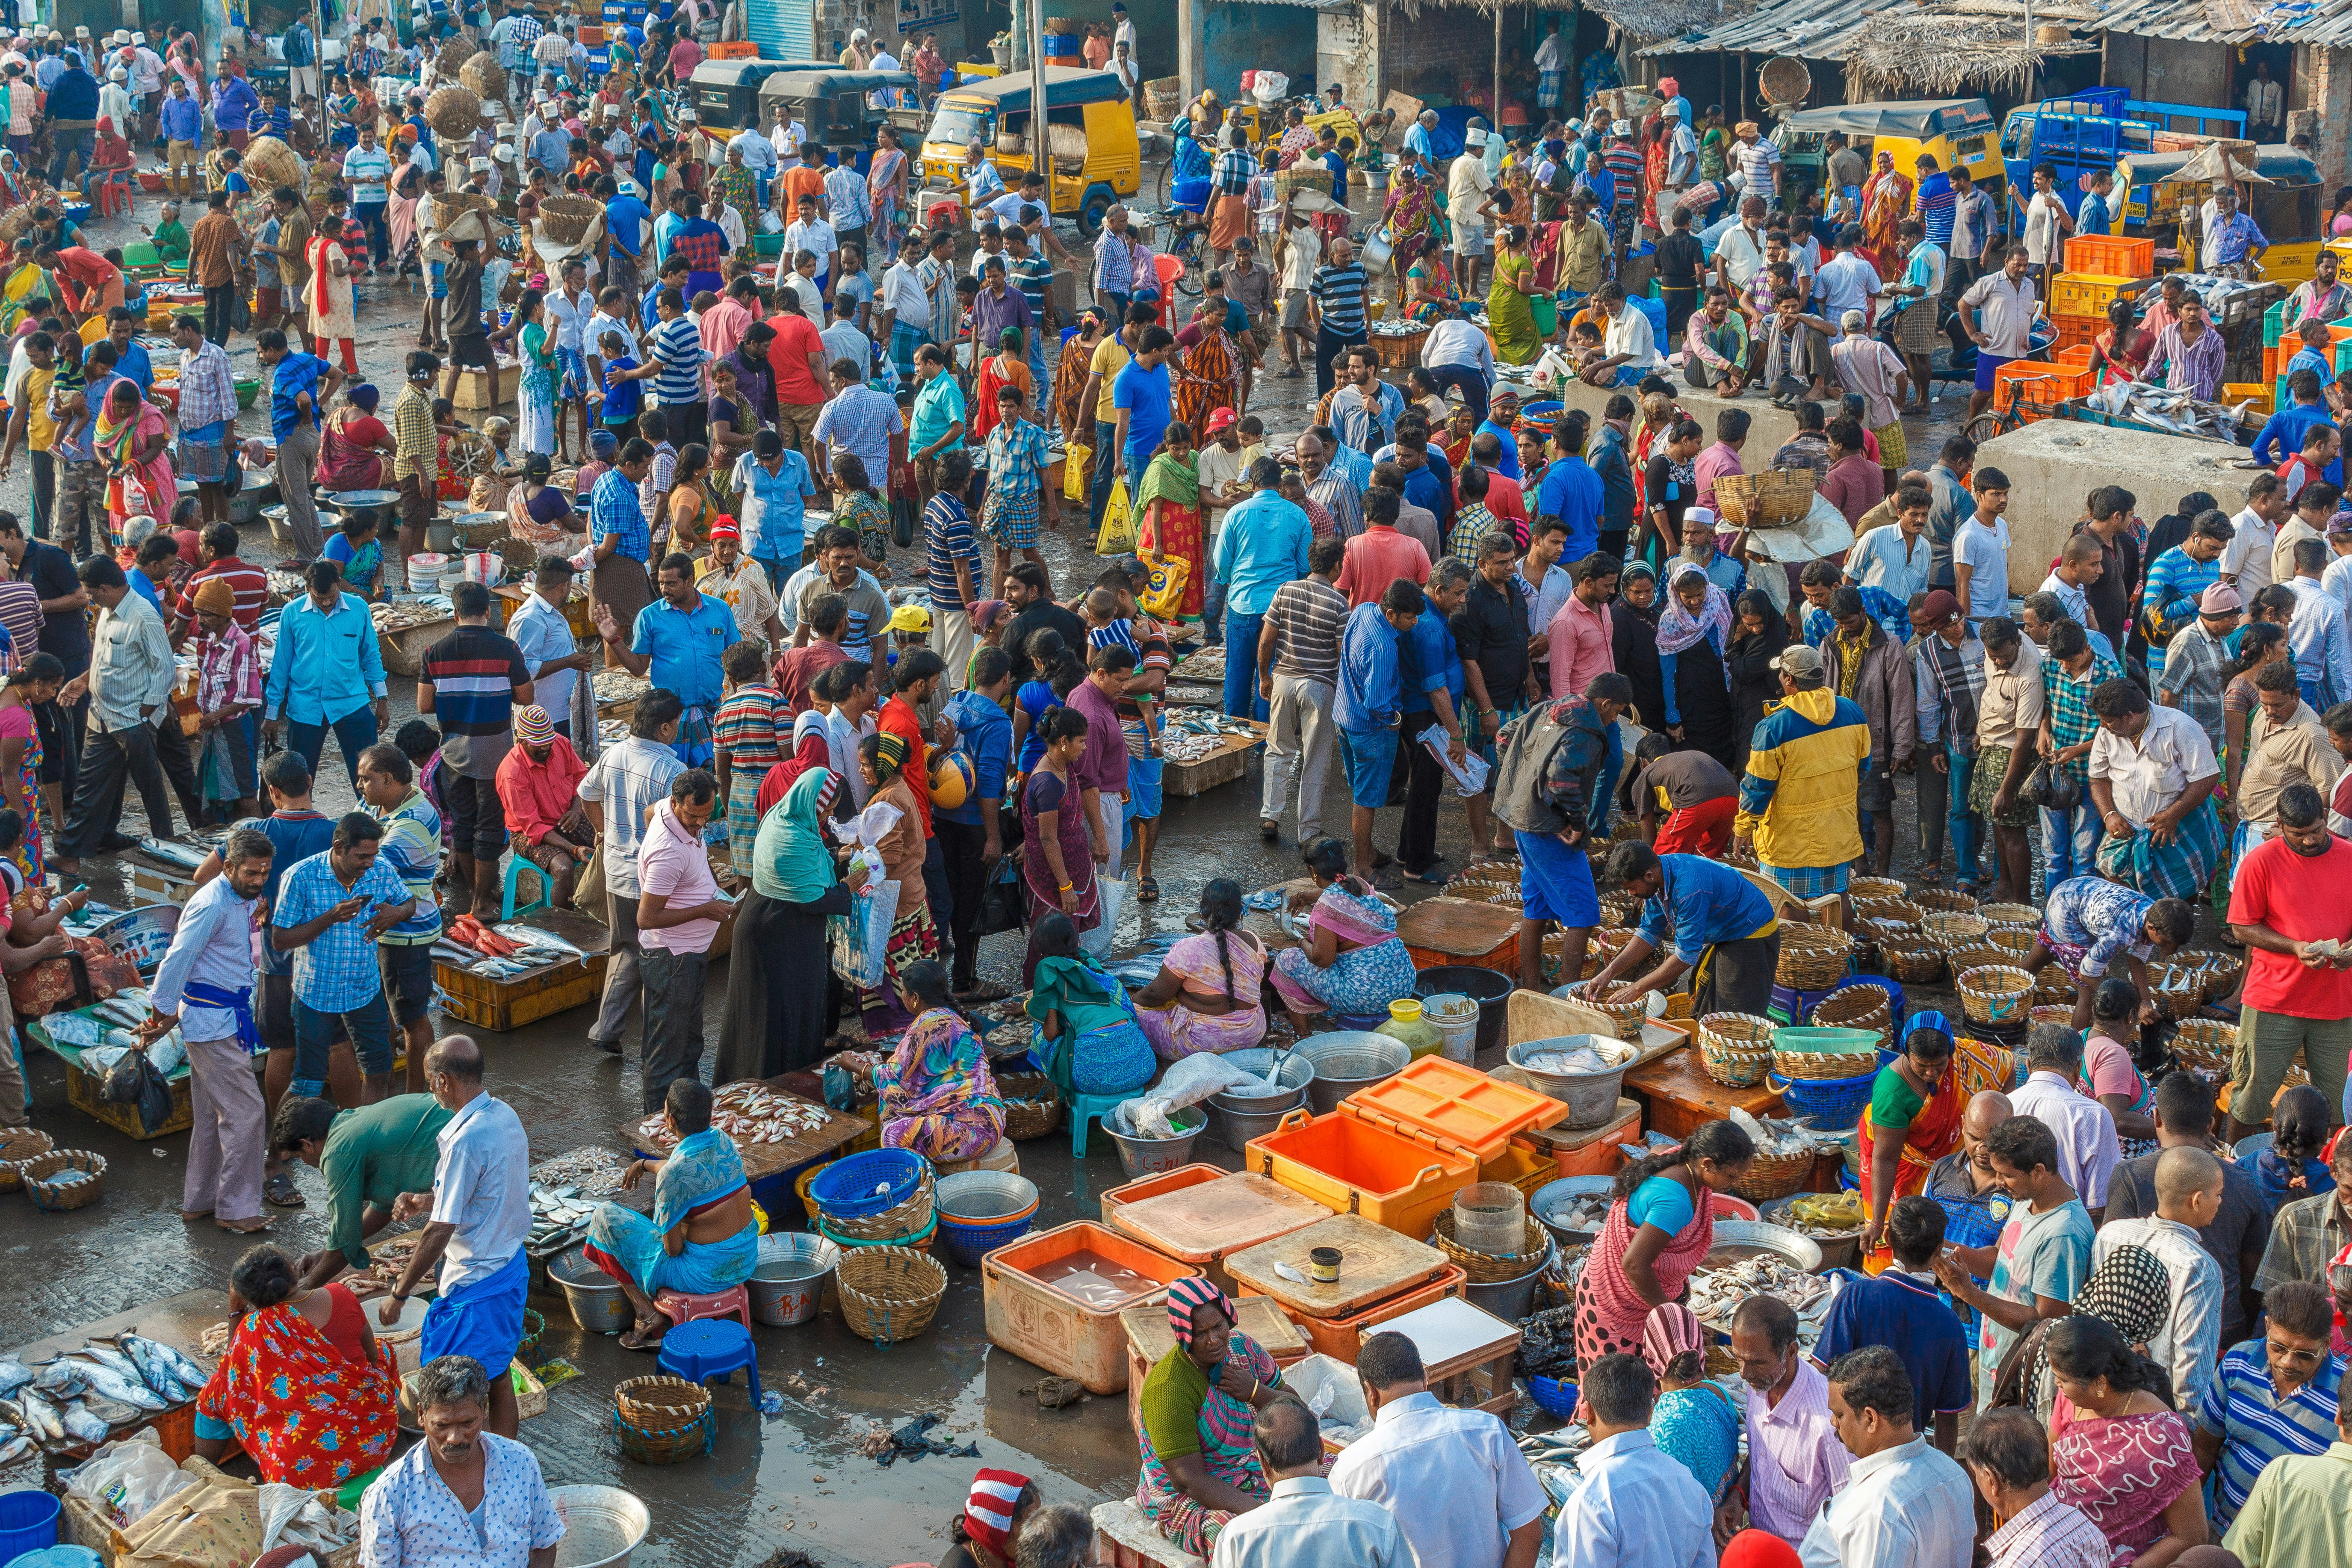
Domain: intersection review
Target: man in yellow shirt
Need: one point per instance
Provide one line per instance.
(1111, 357)
(31, 426)
(2299, 1514)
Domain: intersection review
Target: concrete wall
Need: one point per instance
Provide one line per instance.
(2323, 87)
(1236, 38)
(2054, 465)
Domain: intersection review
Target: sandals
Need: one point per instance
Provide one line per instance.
(1147, 889)
(637, 1339)
(279, 1192)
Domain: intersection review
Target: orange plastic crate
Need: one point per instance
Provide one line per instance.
(1025, 1315)
(2037, 381)
(1152, 1186)
(2111, 255)
(2075, 356)
(2270, 363)
(2084, 293)
(2076, 332)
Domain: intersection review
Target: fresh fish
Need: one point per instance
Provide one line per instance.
(13, 1375)
(15, 1448)
(43, 1417)
(109, 1355)
(450, 952)
(181, 855)
(73, 1029)
(533, 936)
(154, 1371)
(113, 1412)
(169, 1053)
(11, 1413)
(62, 1378)
(79, 1421)
(175, 1365)
(119, 1386)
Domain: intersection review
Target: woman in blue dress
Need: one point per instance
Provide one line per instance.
(703, 1237)
(1692, 1419)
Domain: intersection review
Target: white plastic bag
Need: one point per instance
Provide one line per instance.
(126, 1480)
(860, 938)
(293, 1517)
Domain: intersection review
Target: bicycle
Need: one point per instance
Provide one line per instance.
(1180, 233)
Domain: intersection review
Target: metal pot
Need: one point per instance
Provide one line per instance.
(789, 1279)
(1150, 1156)
(1236, 1119)
(594, 1297)
(1509, 1300)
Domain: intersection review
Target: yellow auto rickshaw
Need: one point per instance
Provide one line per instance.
(1092, 157)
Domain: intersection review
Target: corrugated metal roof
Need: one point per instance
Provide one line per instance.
(2327, 22)
(1814, 30)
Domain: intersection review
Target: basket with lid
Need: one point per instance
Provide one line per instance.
(1201, 1224)
(1819, 1052)
(1398, 1151)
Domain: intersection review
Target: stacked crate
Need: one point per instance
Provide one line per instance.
(2098, 269)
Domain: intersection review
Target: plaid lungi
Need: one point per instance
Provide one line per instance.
(1013, 522)
(904, 341)
(1893, 450)
(1916, 330)
(620, 272)
(201, 457)
(743, 816)
(2174, 870)
(1810, 881)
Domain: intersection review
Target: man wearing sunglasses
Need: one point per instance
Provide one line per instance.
(2274, 1397)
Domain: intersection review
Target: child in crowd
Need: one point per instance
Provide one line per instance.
(420, 742)
(1584, 345)
(621, 395)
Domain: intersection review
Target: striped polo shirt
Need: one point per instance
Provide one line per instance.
(2242, 1408)
(474, 672)
(1339, 290)
(412, 848)
(677, 346)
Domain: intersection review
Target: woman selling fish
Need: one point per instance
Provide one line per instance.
(1661, 1225)
(1914, 1121)
(702, 1238)
(1199, 1467)
(303, 1386)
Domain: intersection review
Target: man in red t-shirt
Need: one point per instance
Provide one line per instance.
(1380, 556)
(797, 356)
(797, 670)
(2285, 901)
(216, 556)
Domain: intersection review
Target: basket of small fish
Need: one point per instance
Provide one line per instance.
(63, 1179)
(748, 1111)
(1752, 1258)
(1032, 1109)
(2176, 988)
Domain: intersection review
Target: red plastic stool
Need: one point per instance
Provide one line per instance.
(113, 195)
(680, 1308)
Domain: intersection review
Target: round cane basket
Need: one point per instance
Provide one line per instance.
(1885, 909)
(906, 1218)
(1995, 995)
(1911, 958)
(17, 1148)
(2223, 972)
(1977, 955)
(1736, 1049)
(1774, 1176)
(1488, 883)
(1603, 943)
(1952, 931)
(454, 110)
(2053, 984)
(2057, 1013)
(1856, 1007)
(1491, 1268)
(662, 1420)
(1624, 1015)
(565, 219)
(1776, 499)
(2024, 915)
(454, 53)
(15, 222)
(1619, 910)
(1943, 900)
(484, 76)
(40, 1176)
(1814, 958)
(2204, 1044)
(1862, 887)
(2014, 941)
(2177, 989)
(1030, 1109)
(270, 163)
(888, 1293)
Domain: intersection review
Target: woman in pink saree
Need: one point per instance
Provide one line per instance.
(1206, 994)
(2118, 1451)
(135, 447)
(1352, 962)
(885, 188)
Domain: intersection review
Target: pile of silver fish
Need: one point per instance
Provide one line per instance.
(2163, 408)
(77, 1398)
(558, 1217)
(749, 1113)
(539, 948)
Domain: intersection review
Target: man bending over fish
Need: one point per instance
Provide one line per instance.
(702, 1238)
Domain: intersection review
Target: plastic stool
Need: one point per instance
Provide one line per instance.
(1085, 1107)
(680, 1308)
(515, 864)
(114, 195)
(711, 1348)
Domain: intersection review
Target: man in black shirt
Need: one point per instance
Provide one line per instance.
(2115, 594)
(469, 339)
(1490, 634)
(1701, 798)
(1029, 592)
(1681, 262)
(2239, 1233)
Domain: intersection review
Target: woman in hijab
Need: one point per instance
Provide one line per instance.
(2130, 1293)
(1199, 1467)
(1693, 636)
(776, 1021)
(1756, 641)
(1633, 639)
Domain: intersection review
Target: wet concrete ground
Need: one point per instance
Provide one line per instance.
(793, 1480)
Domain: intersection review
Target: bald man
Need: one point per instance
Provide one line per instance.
(2189, 1189)
(1962, 1183)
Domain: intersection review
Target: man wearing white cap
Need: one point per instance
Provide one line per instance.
(114, 99)
(1467, 204)
(146, 86)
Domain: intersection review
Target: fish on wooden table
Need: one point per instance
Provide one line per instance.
(81, 1424)
(187, 858)
(13, 1375)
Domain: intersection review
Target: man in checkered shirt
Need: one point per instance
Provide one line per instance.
(1228, 213)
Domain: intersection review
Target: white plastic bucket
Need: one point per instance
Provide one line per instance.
(1455, 1018)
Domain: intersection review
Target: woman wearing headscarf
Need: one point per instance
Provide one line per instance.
(776, 1020)
(1885, 203)
(1757, 640)
(1098, 1046)
(1168, 512)
(2129, 1293)
(1693, 1420)
(1912, 1121)
(913, 935)
(134, 445)
(1634, 640)
(354, 444)
(2118, 1450)
(1352, 962)
(1694, 632)
(1199, 1467)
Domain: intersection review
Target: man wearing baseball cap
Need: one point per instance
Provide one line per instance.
(1804, 772)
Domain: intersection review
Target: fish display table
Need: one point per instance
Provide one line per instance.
(501, 997)
(819, 1132)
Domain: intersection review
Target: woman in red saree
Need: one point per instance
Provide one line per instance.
(1168, 506)
(1885, 203)
(135, 447)
(1002, 369)
(2119, 353)
(1914, 1121)
(1209, 371)
(1660, 1227)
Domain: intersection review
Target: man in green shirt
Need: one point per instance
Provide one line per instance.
(2299, 1514)
(368, 1156)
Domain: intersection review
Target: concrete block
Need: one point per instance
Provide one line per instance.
(2053, 466)
(1768, 428)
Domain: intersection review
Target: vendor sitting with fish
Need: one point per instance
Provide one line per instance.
(303, 1386)
(702, 1238)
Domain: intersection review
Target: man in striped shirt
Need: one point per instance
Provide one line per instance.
(417, 456)
(2274, 1397)
(1299, 672)
(1114, 271)
(1794, 1458)
(216, 548)
(472, 681)
(676, 345)
(1335, 299)
(1228, 213)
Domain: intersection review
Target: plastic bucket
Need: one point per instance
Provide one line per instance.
(28, 1521)
(1455, 1018)
(1546, 313)
(1509, 1300)
(1490, 988)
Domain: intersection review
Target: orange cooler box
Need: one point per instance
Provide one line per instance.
(1027, 1315)
(1203, 1224)
(1382, 1275)
(1398, 1151)
(1144, 1188)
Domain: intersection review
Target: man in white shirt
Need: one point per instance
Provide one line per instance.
(1455, 1481)
(1629, 350)
(810, 232)
(1457, 352)
(2188, 1188)
(1846, 282)
(1740, 251)
(2246, 559)
(1637, 1507)
(1906, 1503)
(785, 140)
(903, 304)
(570, 307)
(2088, 1151)
(2003, 302)
(1466, 204)
(1303, 1524)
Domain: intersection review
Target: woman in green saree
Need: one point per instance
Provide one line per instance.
(1168, 510)
(1195, 1409)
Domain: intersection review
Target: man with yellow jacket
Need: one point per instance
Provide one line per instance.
(1804, 772)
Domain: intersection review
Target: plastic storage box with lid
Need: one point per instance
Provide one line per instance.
(1398, 1151)
(1030, 1310)
(1143, 1187)
(1201, 1224)
(1148, 1339)
(1381, 1274)
(1467, 1353)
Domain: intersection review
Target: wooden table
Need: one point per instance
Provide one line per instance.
(761, 1161)
(1229, 761)
(1442, 930)
(1677, 1096)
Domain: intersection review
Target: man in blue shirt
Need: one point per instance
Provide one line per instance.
(1715, 920)
(1143, 399)
(326, 672)
(774, 487)
(1904, 1308)
(1262, 546)
(1365, 705)
(2283, 434)
(625, 227)
(299, 385)
(1572, 492)
(131, 358)
(1433, 681)
(677, 640)
(968, 835)
(182, 121)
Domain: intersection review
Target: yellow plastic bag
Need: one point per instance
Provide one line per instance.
(1117, 535)
(1164, 596)
(1077, 471)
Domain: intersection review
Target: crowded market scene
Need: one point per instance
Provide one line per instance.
(1106, 728)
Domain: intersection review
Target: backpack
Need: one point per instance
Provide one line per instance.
(1524, 756)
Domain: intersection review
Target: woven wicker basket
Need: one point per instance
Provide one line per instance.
(1862, 887)
(1910, 956)
(1813, 957)
(2205, 1043)
(1774, 1176)
(270, 163)
(2053, 984)
(2015, 940)
(39, 1174)
(1030, 1107)
(1736, 1049)
(1885, 909)
(1976, 955)
(1949, 930)
(1491, 1268)
(888, 1293)
(2223, 972)
(1620, 909)
(1775, 498)
(1625, 1015)
(2057, 1013)
(566, 219)
(1943, 900)
(454, 112)
(1600, 944)
(1995, 994)
(17, 1148)
(16, 222)
(483, 74)
(660, 1420)
(906, 1218)
(1857, 1007)
(2024, 915)
(2177, 989)
(454, 53)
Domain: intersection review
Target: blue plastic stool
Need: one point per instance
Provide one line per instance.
(1085, 1107)
(710, 1347)
(515, 864)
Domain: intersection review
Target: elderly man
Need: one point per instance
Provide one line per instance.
(2152, 778)
(2088, 1149)
(2300, 1510)
(480, 1218)
(1905, 1504)
(1636, 1508)
(2273, 1398)
(2286, 904)
(539, 788)
(2010, 715)
(1304, 1522)
(1453, 1479)
(461, 1483)
(127, 685)
(205, 989)
(368, 1157)
(1804, 772)
(1795, 1461)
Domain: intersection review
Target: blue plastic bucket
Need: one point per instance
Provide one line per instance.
(28, 1521)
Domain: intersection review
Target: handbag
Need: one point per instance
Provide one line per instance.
(1001, 906)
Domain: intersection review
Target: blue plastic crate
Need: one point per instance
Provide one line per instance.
(968, 1244)
(1553, 1396)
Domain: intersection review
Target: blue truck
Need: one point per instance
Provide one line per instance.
(2099, 128)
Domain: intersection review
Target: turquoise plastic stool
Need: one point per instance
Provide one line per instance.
(1083, 1108)
(710, 1347)
(515, 864)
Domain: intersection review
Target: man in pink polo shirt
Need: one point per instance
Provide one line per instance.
(1380, 556)
(1580, 633)
(678, 911)
(1722, 459)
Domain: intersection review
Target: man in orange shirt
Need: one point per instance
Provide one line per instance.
(798, 358)
(1380, 556)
